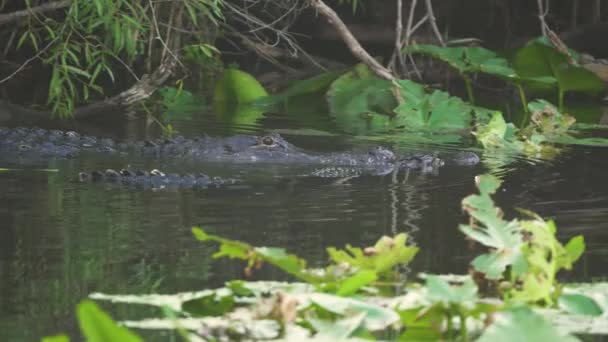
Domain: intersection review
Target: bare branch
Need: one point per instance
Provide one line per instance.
(17, 15)
(542, 13)
(28, 61)
(356, 49)
(432, 21)
(397, 55)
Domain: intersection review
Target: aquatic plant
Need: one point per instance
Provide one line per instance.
(362, 294)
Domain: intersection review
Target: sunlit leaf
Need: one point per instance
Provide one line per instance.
(56, 338)
(98, 326)
(376, 316)
(522, 324)
(352, 284)
(440, 290)
(384, 256)
(337, 329)
(579, 304)
(539, 59)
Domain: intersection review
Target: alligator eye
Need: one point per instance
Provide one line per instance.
(268, 141)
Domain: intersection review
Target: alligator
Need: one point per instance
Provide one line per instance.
(154, 179)
(270, 148)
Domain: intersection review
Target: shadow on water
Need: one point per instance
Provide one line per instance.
(61, 240)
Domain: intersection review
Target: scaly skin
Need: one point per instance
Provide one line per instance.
(271, 148)
(153, 179)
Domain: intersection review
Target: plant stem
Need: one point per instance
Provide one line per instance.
(561, 100)
(463, 326)
(467, 82)
(524, 104)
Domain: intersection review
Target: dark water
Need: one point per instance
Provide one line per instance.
(61, 240)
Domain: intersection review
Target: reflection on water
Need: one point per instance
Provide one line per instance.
(60, 240)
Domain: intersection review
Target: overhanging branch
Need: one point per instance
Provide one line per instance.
(17, 15)
(351, 42)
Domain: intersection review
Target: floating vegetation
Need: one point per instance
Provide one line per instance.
(512, 293)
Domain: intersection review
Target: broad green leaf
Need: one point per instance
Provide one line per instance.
(237, 114)
(352, 284)
(316, 84)
(488, 184)
(179, 103)
(434, 111)
(236, 86)
(360, 102)
(336, 329)
(579, 304)
(233, 96)
(376, 316)
(98, 326)
(419, 326)
(441, 291)
(522, 324)
(468, 59)
(211, 305)
(287, 262)
(539, 59)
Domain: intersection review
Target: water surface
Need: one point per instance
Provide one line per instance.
(61, 240)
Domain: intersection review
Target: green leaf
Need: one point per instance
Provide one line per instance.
(488, 184)
(239, 87)
(212, 305)
(538, 59)
(575, 248)
(419, 326)
(287, 262)
(376, 316)
(360, 102)
(522, 324)
(336, 329)
(439, 290)
(435, 111)
(316, 84)
(56, 338)
(383, 257)
(579, 304)
(468, 59)
(352, 284)
(98, 326)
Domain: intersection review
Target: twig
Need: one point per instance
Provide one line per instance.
(14, 16)
(542, 13)
(356, 49)
(29, 60)
(162, 41)
(432, 21)
(397, 55)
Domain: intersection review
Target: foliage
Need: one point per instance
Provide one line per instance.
(524, 253)
(470, 60)
(352, 269)
(380, 259)
(234, 96)
(98, 326)
(88, 46)
(345, 299)
(360, 103)
(522, 324)
(539, 59)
